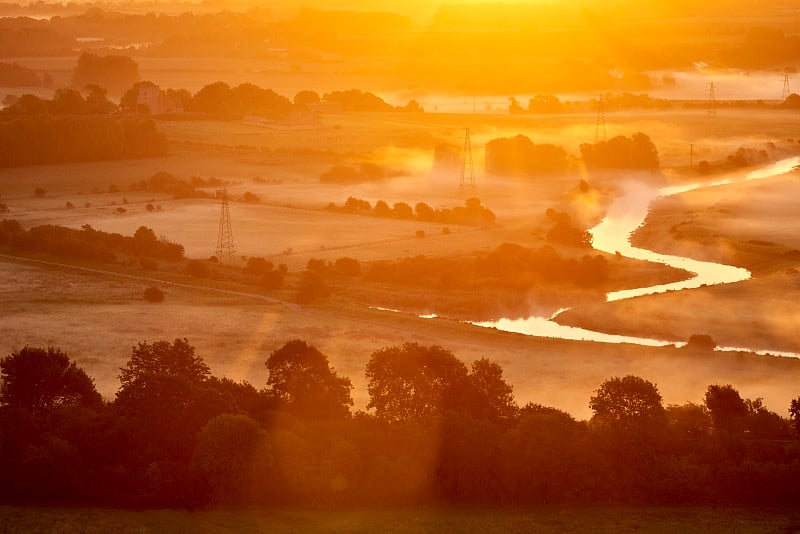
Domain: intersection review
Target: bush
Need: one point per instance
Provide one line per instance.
(257, 265)
(701, 342)
(420, 233)
(197, 269)
(348, 266)
(153, 294)
(316, 265)
(39, 192)
(312, 288)
(272, 280)
(250, 198)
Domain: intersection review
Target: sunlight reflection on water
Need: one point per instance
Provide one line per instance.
(612, 235)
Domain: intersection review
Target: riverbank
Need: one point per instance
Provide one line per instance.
(749, 224)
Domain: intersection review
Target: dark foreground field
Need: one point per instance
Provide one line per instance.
(543, 520)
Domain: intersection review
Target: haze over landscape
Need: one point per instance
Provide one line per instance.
(323, 266)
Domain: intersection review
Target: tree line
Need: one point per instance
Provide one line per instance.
(88, 243)
(472, 213)
(435, 431)
(519, 156)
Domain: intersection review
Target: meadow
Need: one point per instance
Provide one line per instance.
(54, 306)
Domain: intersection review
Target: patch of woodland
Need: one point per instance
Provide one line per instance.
(164, 182)
(435, 431)
(88, 243)
(519, 156)
(472, 213)
(35, 131)
(15, 75)
(748, 156)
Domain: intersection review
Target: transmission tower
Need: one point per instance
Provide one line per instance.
(601, 121)
(226, 252)
(466, 184)
(711, 110)
(786, 91)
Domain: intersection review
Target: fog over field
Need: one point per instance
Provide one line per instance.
(467, 261)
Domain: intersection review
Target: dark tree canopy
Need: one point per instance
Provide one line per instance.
(302, 381)
(628, 403)
(519, 156)
(634, 152)
(727, 409)
(494, 397)
(164, 358)
(794, 415)
(115, 73)
(39, 379)
(413, 381)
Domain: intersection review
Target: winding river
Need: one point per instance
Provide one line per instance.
(612, 235)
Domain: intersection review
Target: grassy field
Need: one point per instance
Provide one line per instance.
(615, 520)
(98, 318)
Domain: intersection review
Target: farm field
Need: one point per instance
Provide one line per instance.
(290, 226)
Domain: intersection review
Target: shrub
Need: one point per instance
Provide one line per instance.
(39, 192)
(272, 280)
(701, 342)
(348, 266)
(312, 288)
(420, 233)
(316, 265)
(149, 207)
(197, 269)
(153, 294)
(250, 198)
(69, 205)
(257, 265)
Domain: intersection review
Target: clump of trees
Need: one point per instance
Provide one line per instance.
(509, 266)
(40, 139)
(636, 152)
(742, 157)
(345, 174)
(164, 182)
(14, 75)
(472, 213)
(436, 430)
(114, 72)
(564, 232)
(88, 243)
(519, 156)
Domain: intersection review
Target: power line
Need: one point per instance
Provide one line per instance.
(226, 251)
(466, 183)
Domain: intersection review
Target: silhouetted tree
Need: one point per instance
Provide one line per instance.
(493, 397)
(39, 380)
(628, 403)
(164, 358)
(794, 416)
(413, 381)
(305, 384)
(727, 409)
(115, 73)
(689, 421)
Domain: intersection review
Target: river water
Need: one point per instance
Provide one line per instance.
(612, 235)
